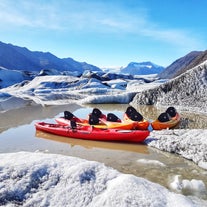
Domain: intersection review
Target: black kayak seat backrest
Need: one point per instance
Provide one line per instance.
(171, 111)
(73, 124)
(136, 116)
(97, 112)
(112, 117)
(68, 115)
(130, 110)
(93, 119)
(164, 117)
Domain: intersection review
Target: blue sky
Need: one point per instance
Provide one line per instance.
(107, 32)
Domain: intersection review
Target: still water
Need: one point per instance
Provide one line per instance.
(17, 133)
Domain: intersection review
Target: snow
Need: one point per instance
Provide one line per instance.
(189, 143)
(183, 185)
(151, 162)
(196, 187)
(66, 89)
(10, 77)
(142, 68)
(111, 98)
(139, 85)
(62, 89)
(40, 179)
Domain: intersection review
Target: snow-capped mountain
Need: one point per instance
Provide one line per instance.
(142, 68)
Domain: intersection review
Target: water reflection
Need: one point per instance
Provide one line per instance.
(139, 148)
(193, 121)
(17, 117)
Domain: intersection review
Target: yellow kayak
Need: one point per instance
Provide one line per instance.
(133, 116)
(141, 125)
(103, 124)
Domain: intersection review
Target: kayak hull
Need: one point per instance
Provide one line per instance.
(91, 133)
(157, 125)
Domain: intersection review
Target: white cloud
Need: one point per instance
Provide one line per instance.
(176, 37)
(93, 16)
(26, 13)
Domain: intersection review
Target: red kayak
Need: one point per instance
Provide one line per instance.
(92, 133)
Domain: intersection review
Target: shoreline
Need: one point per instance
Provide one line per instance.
(190, 144)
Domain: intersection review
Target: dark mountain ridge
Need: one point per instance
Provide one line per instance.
(20, 58)
(183, 64)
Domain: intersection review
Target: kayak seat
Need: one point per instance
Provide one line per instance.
(171, 111)
(93, 119)
(68, 115)
(130, 110)
(97, 112)
(112, 117)
(136, 116)
(164, 117)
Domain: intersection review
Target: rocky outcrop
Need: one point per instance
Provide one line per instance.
(187, 90)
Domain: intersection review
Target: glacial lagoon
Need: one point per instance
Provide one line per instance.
(17, 133)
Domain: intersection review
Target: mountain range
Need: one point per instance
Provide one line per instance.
(183, 64)
(23, 60)
(20, 58)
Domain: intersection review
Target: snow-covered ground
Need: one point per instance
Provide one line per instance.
(38, 179)
(62, 89)
(10, 77)
(189, 143)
